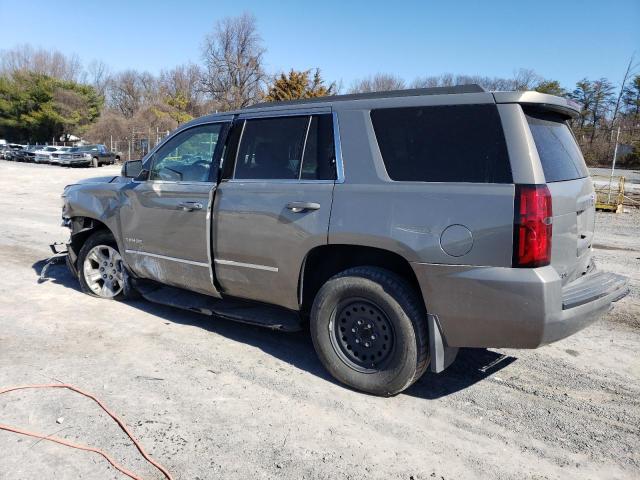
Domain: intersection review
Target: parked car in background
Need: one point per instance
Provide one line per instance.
(27, 155)
(54, 157)
(4, 148)
(88, 155)
(457, 218)
(43, 154)
(10, 153)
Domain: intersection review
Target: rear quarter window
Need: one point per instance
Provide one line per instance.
(454, 143)
(559, 153)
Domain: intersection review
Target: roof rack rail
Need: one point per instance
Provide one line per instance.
(410, 92)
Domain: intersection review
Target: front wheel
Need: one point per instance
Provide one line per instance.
(368, 326)
(94, 162)
(100, 268)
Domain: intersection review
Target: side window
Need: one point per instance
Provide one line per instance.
(102, 149)
(271, 148)
(319, 151)
(188, 156)
(455, 143)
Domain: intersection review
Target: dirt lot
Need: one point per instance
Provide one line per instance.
(213, 399)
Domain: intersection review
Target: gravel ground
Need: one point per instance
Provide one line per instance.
(214, 399)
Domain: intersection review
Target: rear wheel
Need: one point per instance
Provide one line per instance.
(100, 268)
(369, 329)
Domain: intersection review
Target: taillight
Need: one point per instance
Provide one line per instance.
(532, 226)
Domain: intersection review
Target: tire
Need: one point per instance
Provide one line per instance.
(94, 162)
(114, 284)
(369, 330)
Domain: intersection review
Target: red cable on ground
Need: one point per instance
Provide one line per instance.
(85, 447)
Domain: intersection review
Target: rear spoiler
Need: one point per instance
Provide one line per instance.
(540, 100)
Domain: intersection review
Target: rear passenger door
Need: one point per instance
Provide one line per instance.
(273, 204)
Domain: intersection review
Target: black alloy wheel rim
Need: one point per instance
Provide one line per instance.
(362, 335)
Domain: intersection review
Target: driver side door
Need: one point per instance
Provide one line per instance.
(165, 219)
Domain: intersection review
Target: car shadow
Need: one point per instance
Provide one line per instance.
(472, 365)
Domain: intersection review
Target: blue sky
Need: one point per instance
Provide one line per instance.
(563, 40)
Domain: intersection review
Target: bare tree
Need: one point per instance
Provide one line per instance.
(47, 62)
(449, 79)
(233, 57)
(182, 86)
(380, 82)
(525, 79)
(126, 93)
(628, 72)
(98, 76)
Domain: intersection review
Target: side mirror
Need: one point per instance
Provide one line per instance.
(132, 169)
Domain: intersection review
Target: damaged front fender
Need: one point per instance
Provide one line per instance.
(88, 206)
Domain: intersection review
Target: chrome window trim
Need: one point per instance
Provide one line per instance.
(175, 182)
(164, 257)
(232, 263)
(275, 180)
(270, 112)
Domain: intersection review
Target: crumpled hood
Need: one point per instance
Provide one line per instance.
(109, 179)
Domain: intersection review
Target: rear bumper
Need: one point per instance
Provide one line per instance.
(513, 307)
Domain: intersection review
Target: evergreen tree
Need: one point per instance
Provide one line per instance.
(296, 85)
(631, 98)
(36, 108)
(552, 87)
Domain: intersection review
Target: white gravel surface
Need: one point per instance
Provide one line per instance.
(214, 399)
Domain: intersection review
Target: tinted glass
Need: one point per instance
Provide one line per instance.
(461, 143)
(271, 148)
(319, 151)
(188, 156)
(559, 153)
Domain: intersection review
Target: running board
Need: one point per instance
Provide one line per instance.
(262, 315)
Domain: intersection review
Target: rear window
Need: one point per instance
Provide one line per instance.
(455, 143)
(559, 153)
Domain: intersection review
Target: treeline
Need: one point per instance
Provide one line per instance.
(46, 95)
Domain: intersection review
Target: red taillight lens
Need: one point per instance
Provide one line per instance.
(532, 226)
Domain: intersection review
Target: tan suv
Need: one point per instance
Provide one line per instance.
(397, 226)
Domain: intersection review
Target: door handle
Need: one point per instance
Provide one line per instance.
(190, 206)
(297, 207)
